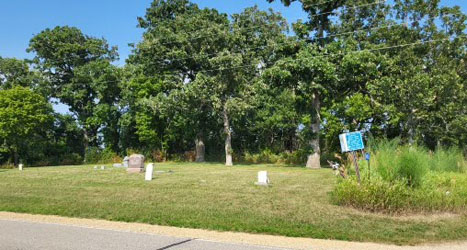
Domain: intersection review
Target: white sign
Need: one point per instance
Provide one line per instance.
(149, 171)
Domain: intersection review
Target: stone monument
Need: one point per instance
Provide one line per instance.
(126, 161)
(149, 171)
(263, 179)
(136, 164)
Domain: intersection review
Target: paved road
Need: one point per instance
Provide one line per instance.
(19, 235)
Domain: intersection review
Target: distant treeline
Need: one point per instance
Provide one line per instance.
(202, 85)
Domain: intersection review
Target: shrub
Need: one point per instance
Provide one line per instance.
(190, 156)
(159, 156)
(92, 155)
(267, 156)
(108, 156)
(71, 159)
(97, 155)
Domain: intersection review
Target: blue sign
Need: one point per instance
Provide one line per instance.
(351, 142)
(367, 156)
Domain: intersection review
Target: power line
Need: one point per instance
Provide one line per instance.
(277, 44)
(340, 54)
(323, 55)
(350, 8)
(260, 26)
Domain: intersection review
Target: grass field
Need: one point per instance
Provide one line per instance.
(212, 196)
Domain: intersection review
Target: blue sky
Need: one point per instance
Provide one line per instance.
(114, 20)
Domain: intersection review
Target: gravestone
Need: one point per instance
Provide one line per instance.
(263, 179)
(149, 171)
(126, 161)
(136, 164)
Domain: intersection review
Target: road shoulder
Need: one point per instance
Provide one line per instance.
(224, 237)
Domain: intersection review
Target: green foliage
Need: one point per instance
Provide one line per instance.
(97, 155)
(242, 82)
(80, 75)
(404, 180)
(439, 192)
(267, 156)
(448, 160)
(412, 164)
(17, 73)
(23, 115)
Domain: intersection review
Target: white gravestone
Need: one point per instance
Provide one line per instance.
(263, 178)
(149, 171)
(20, 166)
(126, 161)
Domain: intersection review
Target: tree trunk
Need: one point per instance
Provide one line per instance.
(200, 148)
(228, 138)
(16, 158)
(314, 158)
(86, 139)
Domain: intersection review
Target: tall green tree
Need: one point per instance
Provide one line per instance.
(78, 72)
(179, 39)
(23, 114)
(17, 73)
(252, 37)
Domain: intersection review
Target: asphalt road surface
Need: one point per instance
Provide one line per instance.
(19, 235)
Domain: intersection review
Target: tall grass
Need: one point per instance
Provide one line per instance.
(448, 160)
(408, 178)
(401, 163)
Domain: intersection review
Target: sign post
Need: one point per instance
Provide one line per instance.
(367, 158)
(352, 142)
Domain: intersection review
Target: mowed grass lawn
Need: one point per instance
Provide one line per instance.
(212, 196)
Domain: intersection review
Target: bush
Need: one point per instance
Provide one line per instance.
(159, 156)
(92, 155)
(97, 155)
(72, 159)
(267, 156)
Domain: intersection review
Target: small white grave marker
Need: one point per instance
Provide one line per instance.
(149, 171)
(20, 166)
(263, 178)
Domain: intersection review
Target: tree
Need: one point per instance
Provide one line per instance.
(78, 72)
(17, 73)
(23, 114)
(402, 87)
(311, 76)
(253, 35)
(179, 39)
